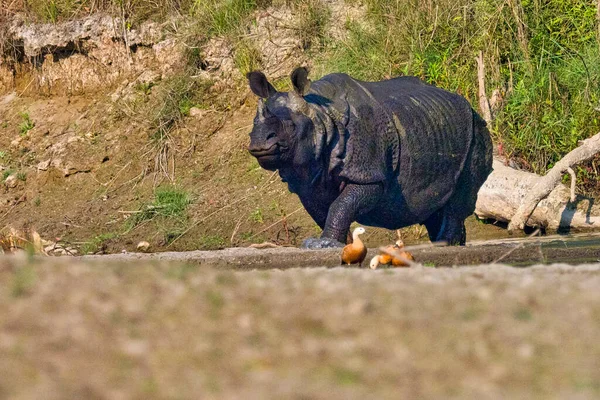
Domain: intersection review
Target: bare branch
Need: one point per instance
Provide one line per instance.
(573, 181)
(589, 148)
(484, 105)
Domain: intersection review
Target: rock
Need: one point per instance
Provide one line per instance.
(11, 181)
(8, 98)
(88, 53)
(74, 139)
(44, 165)
(197, 112)
(69, 170)
(16, 142)
(143, 246)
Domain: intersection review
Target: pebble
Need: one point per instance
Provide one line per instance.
(143, 246)
(11, 181)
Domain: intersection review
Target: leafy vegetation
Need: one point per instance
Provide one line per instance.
(6, 173)
(98, 243)
(312, 25)
(220, 17)
(542, 58)
(211, 242)
(26, 123)
(247, 58)
(57, 10)
(173, 101)
(169, 201)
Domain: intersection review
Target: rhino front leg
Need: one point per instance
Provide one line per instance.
(355, 200)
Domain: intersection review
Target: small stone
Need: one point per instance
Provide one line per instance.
(43, 166)
(143, 246)
(50, 248)
(197, 112)
(11, 181)
(74, 139)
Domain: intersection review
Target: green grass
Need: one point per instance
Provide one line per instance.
(247, 57)
(550, 81)
(313, 20)
(137, 10)
(257, 216)
(97, 243)
(172, 103)
(211, 242)
(26, 123)
(220, 17)
(169, 202)
(6, 173)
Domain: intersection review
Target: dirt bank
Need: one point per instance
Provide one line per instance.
(70, 329)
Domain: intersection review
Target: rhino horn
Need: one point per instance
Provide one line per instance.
(261, 109)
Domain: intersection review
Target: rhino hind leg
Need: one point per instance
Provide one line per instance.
(444, 226)
(448, 224)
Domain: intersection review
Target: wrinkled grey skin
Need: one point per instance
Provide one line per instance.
(388, 154)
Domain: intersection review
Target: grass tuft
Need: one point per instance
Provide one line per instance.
(247, 57)
(169, 202)
(26, 123)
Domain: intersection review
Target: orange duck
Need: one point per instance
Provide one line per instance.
(355, 252)
(403, 258)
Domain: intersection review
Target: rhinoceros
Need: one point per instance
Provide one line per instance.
(387, 154)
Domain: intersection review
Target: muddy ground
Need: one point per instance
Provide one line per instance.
(75, 328)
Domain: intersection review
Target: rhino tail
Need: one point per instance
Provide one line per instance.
(482, 142)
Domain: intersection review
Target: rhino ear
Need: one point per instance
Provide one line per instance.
(259, 84)
(300, 81)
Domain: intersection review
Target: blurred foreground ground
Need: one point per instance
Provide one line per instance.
(75, 329)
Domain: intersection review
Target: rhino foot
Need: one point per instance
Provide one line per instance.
(320, 243)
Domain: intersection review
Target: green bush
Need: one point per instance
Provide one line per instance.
(549, 75)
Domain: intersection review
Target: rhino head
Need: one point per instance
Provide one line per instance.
(284, 124)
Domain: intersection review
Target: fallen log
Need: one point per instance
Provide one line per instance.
(589, 148)
(506, 190)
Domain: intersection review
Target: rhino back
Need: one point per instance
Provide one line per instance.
(435, 128)
(402, 131)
